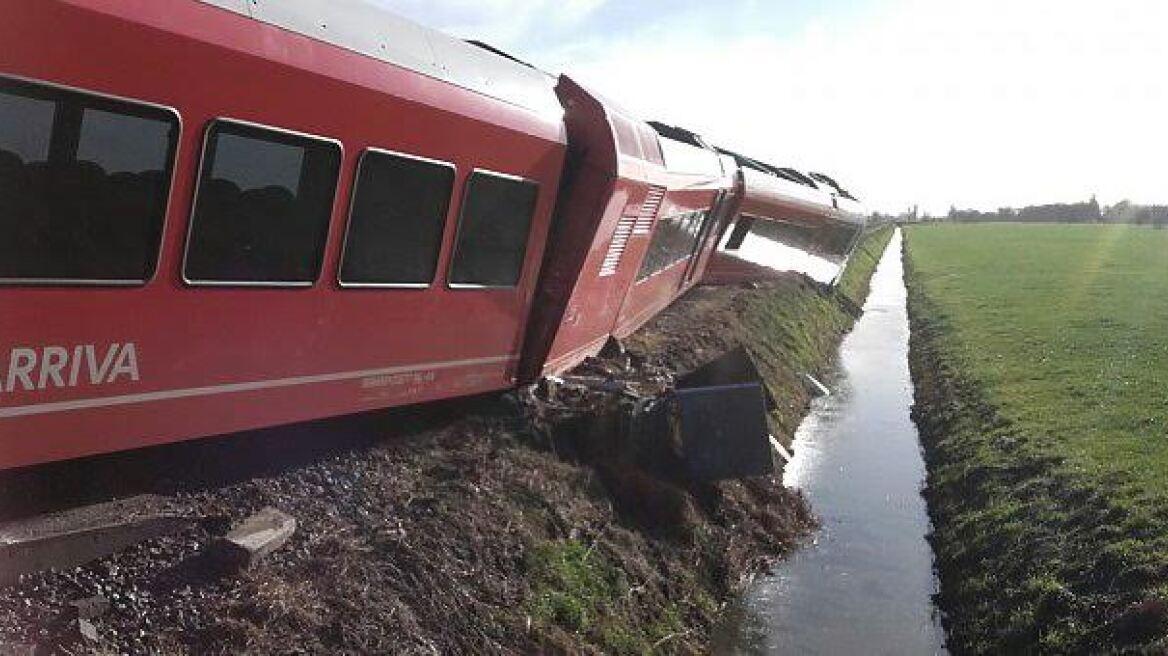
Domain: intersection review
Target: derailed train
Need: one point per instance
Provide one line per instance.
(217, 215)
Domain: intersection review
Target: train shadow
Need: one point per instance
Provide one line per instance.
(218, 461)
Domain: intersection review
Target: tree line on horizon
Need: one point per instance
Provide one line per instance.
(1123, 212)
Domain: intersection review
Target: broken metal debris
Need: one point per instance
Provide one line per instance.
(814, 387)
(714, 418)
(782, 450)
(732, 367)
(724, 431)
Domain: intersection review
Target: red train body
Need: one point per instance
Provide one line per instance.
(205, 224)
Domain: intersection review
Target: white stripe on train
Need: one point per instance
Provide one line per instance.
(231, 388)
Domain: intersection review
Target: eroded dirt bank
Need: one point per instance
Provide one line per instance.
(418, 533)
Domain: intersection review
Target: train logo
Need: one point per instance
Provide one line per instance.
(32, 369)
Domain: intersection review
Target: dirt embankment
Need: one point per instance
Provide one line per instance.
(418, 533)
(1033, 556)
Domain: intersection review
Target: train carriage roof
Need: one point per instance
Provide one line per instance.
(686, 152)
(363, 27)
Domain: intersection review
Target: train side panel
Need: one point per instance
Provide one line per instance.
(656, 288)
(700, 194)
(100, 368)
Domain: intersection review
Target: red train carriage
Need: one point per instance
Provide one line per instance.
(787, 221)
(699, 195)
(222, 215)
(212, 220)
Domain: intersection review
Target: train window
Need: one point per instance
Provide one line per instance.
(83, 185)
(674, 239)
(492, 233)
(650, 146)
(396, 220)
(105, 141)
(262, 209)
(626, 137)
(26, 126)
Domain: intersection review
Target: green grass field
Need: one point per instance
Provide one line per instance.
(1041, 361)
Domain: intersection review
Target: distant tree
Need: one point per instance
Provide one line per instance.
(1159, 216)
(1086, 212)
(1121, 212)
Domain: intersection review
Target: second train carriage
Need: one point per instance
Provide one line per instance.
(230, 215)
(699, 194)
(787, 221)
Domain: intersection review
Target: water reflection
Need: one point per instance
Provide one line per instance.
(864, 586)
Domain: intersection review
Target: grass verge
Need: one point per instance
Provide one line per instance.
(1038, 354)
(853, 282)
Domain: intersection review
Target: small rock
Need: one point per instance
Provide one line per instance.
(87, 631)
(1006, 442)
(79, 632)
(258, 536)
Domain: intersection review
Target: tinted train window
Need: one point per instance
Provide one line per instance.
(83, 185)
(262, 208)
(395, 225)
(492, 233)
(674, 239)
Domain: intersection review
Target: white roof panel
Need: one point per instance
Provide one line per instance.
(373, 31)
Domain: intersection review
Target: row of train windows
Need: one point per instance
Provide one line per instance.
(674, 239)
(84, 183)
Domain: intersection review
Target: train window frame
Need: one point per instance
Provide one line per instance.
(691, 254)
(449, 273)
(203, 168)
(109, 103)
(352, 206)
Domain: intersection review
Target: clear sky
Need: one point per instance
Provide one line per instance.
(977, 103)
